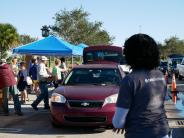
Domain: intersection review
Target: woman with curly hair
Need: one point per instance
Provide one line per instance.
(140, 104)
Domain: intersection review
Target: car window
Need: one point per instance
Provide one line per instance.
(93, 77)
(176, 61)
(163, 64)
(105, 56)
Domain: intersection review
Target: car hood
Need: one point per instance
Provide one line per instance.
(87, 92)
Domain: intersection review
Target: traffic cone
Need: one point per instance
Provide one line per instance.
(173, 89)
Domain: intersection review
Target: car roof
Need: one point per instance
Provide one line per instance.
(94, 66)
(103, 47)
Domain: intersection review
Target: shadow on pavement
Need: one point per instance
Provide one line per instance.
(39, 123)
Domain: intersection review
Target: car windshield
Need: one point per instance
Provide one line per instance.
(104, 56)
(163, 64)
(93, 77)
(176, 61)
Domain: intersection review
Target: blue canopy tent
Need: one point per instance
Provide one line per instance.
(50, 46)
(82, 46)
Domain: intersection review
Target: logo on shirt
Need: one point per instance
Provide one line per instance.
(154, 79)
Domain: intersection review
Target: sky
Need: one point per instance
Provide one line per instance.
(161, 19)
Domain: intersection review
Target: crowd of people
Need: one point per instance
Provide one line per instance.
(16, 79)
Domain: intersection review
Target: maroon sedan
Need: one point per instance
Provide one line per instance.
(88, 96)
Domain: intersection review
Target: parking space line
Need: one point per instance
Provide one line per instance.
(10, 130)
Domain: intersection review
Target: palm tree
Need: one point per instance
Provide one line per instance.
(8, 37)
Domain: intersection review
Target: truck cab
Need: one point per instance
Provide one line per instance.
(105, 54)
(180, 68)
(173, 61)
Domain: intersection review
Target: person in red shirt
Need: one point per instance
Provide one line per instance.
(8, 86)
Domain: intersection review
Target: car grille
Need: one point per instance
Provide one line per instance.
(85, 119)
(85, 104)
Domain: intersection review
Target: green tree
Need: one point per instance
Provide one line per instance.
(173, 45)
(74, 26)
(9, 38)
(163, 54)
(25, 39)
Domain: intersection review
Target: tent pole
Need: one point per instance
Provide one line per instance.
(80, 59)
(72, 61)
(49, 61)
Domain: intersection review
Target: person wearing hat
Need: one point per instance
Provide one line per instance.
(8, 86)
(42, 76)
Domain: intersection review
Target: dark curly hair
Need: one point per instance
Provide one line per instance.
(141, 51)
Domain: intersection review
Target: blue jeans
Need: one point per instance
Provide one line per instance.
(13, 91)
(43, 95)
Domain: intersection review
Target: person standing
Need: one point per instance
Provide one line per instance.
(8, 86)
(22, 82)
(63, 67)
(33, 75)
(15, 70)
(14, 67)
(42, 76)
(140, 104)
(56, 73)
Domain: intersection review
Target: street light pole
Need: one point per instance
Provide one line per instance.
(45, 33)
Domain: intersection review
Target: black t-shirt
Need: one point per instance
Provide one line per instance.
(143, 93)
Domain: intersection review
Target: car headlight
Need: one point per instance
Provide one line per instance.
(58, 98)
(111, 99)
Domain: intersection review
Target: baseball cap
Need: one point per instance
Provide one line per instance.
(44, 58)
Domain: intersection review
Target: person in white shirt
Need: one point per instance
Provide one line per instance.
(42, 76)
(14, 67)
(63, 67)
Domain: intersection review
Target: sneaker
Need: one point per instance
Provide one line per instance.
(34, 107)
(19, 113)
